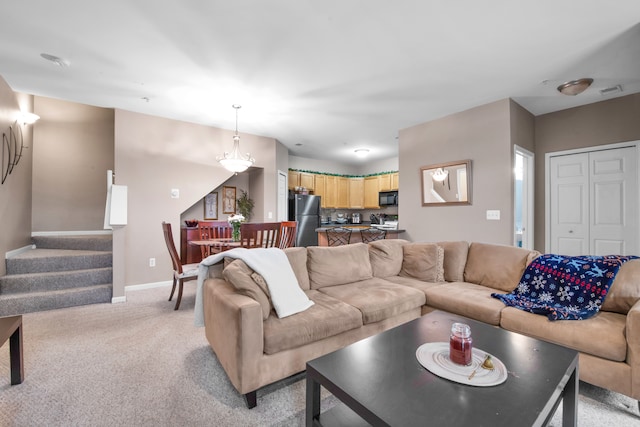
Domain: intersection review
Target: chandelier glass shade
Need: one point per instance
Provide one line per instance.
(234, 161)
(440, 175)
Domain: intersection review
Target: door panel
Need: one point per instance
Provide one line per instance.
(614, 206)
(569, 204)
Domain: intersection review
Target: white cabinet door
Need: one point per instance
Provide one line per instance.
(594, 203)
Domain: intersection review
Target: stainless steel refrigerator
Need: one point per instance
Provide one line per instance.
(306, 210)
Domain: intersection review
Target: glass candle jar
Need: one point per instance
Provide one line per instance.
(460, 344)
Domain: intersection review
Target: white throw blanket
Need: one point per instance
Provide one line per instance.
(273, 265)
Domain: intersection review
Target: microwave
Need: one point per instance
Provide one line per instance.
(388, 198)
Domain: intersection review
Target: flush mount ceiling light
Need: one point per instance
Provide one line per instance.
(60, 62)
(361, 152)
(575, 87)
(440, 174)
(234, 161)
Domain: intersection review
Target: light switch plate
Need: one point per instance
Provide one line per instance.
(493, 215)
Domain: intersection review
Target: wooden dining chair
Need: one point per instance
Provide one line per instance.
(181, 273)
(206, 232)
(260, 235)
(372, 234)
(338, 236)
(288, 234)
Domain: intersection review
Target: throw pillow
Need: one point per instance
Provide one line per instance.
(423, 261)
(455, 258)
(386, 257)
(239, 275)
(298, 259)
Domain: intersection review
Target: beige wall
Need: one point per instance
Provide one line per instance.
(482, 134)
(154, 155)
(15, 193)
(73, 149)
(606, 122)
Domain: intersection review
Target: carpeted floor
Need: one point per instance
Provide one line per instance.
(142, 363)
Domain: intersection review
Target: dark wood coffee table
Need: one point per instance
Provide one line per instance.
(380, 382)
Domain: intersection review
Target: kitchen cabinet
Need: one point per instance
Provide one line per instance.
(301, 179)
(394, 181)
(371, 190)
(384, 182)
(307, 181)
(342, 192)
(319, 189)
(331, 191)
(356, 193)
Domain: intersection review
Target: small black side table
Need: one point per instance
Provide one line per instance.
(11, 329)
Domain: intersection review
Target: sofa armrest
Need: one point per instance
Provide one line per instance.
(633, 347)
(233, 326)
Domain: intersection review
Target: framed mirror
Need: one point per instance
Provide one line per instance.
(446, 183)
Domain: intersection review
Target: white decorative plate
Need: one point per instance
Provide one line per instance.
(434, 356)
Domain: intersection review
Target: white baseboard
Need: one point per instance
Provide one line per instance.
(70, 233)
(147, 286)
(18, 251)
(117, 300)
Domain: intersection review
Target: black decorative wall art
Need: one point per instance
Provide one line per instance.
(12, 146)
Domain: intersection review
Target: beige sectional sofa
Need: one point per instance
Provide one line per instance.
(360, 290)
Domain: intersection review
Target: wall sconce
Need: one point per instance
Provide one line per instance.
(28, 118)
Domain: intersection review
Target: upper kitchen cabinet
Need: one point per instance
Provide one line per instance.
(371, 190)
(330, 192)
(342, 193)
(301, 179)
(319, 189)
(394, 181)
(356, 193)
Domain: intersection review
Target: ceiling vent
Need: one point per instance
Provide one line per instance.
(611, 90)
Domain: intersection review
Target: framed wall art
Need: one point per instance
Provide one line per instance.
(211, 206)
(229, 200)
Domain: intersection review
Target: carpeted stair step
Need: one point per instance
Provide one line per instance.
(38, 282)
(28, 302)
(47, 260)
(98, 242)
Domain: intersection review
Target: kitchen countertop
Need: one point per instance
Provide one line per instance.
(364, 224)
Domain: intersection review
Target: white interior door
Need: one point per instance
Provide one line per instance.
(614, 210)
(283, 206)
(593, 203)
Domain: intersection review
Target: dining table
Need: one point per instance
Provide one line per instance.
(217, 245)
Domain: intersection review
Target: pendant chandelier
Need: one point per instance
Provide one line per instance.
(440, 174)
(234, 161)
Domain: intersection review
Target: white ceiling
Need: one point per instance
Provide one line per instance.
(331, 75)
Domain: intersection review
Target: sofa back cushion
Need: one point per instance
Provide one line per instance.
(625, 289)
(239, 275)
(338, 265)
(455, 258)
(423, 261)
(298, 260)
(496, 266)
(386, 257)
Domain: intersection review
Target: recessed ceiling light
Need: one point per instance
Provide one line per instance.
(362, 152)
(575, 87)
(60, 62)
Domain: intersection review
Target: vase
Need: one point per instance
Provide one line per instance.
(235, 234)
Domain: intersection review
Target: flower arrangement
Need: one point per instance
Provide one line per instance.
(235, 221)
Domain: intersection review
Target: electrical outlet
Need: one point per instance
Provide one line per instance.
(270, 215)
(493, 215)
(152, 262)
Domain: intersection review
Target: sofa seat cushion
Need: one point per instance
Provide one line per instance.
(338, 265)
(377, 299)
(413, 283)
(602, 335)
(326, 318)
(466, 299)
